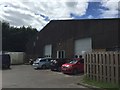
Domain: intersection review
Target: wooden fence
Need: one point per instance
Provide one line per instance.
(103, 66)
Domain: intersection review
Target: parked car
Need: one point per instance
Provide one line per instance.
(57, 63)
(5, 61)
(74, 66)
(42, 63)
(31, 60)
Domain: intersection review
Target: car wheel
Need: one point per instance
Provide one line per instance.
(7, 66)
(59, 69)
(43, 66)
(36, 68)
(75, 71)
(52, 69)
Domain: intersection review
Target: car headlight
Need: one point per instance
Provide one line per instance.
(69, 66)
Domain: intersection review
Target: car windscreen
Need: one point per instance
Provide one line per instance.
(73, 61)
(37, 60)
(43, 60)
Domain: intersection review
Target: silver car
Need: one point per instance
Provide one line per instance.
(42, 63)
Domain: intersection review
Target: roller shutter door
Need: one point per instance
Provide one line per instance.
(82, 45)
(48, 50)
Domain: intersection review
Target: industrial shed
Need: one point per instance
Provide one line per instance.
(69, 38)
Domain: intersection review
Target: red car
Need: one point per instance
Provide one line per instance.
(73, 66)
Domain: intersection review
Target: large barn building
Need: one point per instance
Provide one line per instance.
(69, 38)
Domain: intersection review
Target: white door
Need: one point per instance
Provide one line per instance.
(82, 45)
(48, 50)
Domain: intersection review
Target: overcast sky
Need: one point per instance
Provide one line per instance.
(37, 13)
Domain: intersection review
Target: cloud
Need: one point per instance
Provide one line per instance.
(110, 8)
(37, 13)
(90, 17)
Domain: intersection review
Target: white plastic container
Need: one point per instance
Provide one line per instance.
(17, 57)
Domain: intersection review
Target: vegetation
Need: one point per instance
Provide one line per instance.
(15, 39)
(106, 86)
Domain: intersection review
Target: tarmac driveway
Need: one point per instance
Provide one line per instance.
(24, 76)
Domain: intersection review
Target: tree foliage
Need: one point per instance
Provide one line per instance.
(15, 39)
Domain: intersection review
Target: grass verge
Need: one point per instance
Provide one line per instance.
(107, 86)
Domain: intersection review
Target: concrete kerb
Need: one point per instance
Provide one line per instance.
(90, 86)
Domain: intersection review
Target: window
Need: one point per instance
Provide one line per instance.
(61, 54)
(42, 60)
(34, 44)
(49, 59)
(73, 61)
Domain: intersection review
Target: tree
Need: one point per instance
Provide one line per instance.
(15, 39)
